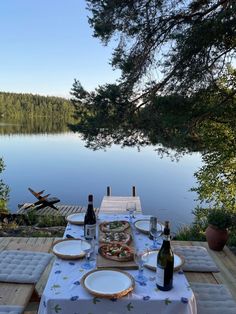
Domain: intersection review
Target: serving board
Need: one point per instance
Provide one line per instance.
(103, 262)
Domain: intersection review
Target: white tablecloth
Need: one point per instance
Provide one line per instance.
(64, 294)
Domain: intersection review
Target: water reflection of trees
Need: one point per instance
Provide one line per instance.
(34, 125)
(175, 125)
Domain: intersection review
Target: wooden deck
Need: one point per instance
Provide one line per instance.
(63, 210)
(15, 293)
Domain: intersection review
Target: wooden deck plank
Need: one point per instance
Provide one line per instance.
(4, 243)
(68, 211)
(63, 210)
(30, 244)
(15, 294)
(76, 209)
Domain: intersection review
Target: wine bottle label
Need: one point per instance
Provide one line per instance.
(160, 276)
(90, 231)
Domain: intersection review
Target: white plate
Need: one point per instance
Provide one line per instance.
(69, 249)
(143, 225)
(107, 283)
(152, 260)
(76, 219)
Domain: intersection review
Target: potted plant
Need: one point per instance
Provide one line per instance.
(219, 220)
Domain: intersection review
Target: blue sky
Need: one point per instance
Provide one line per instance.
(45, 44)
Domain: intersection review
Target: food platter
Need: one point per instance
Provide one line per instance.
(121, 237)
(108, 283)
(114, 226)
(69, 249)
(152, 260)
(143, 225)
(76, 219)
(116, 252)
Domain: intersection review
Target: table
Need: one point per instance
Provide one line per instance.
(64, 294)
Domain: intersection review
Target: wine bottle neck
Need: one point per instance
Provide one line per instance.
(166, 240)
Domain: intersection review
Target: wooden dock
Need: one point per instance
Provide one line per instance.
(63, 210)
(15, 293)
(110, 204)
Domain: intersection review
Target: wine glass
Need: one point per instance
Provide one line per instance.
(131, 208)
(87, 247)
(155, 233)
(141, 257)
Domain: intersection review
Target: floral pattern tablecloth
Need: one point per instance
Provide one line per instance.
(64, 293)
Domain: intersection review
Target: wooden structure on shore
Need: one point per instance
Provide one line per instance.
(15, 293)
(19, 294)
(110, 204)
(63, 210)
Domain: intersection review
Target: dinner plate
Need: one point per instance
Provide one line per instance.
(108, 283)
(143, 225)
(76, 219)
(69, 248)
(152, 260)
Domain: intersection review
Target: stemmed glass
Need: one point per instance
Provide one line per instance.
(141, 257)
(155, 233)
(87, 247)
(131, 208)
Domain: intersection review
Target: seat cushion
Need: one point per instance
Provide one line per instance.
(10, 309)
(22, 266)
(197, 259)
(213, 299)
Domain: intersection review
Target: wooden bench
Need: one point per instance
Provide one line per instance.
(20, 294)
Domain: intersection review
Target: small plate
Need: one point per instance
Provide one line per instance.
(76, 219)
(108, 283)
(143, 225)
(152, 260)
(69, 249)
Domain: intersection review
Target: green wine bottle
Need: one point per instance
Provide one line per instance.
(165, 262)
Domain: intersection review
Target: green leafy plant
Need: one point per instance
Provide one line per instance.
(219, 218)
(4, 191)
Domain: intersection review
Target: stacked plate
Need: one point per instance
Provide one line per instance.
(69, 248)
(143, 225)
(76, 219)
(152, 260)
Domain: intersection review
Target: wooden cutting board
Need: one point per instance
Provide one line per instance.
(103, 262)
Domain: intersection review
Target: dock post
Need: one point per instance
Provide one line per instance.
(108, 191)
(133, 191)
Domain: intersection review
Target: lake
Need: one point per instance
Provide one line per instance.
(62, 165)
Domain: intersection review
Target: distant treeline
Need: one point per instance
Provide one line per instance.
(19, 105)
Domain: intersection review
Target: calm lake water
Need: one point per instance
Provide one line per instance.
(60, 164)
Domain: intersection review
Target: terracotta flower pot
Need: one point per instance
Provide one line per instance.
(216, 237)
